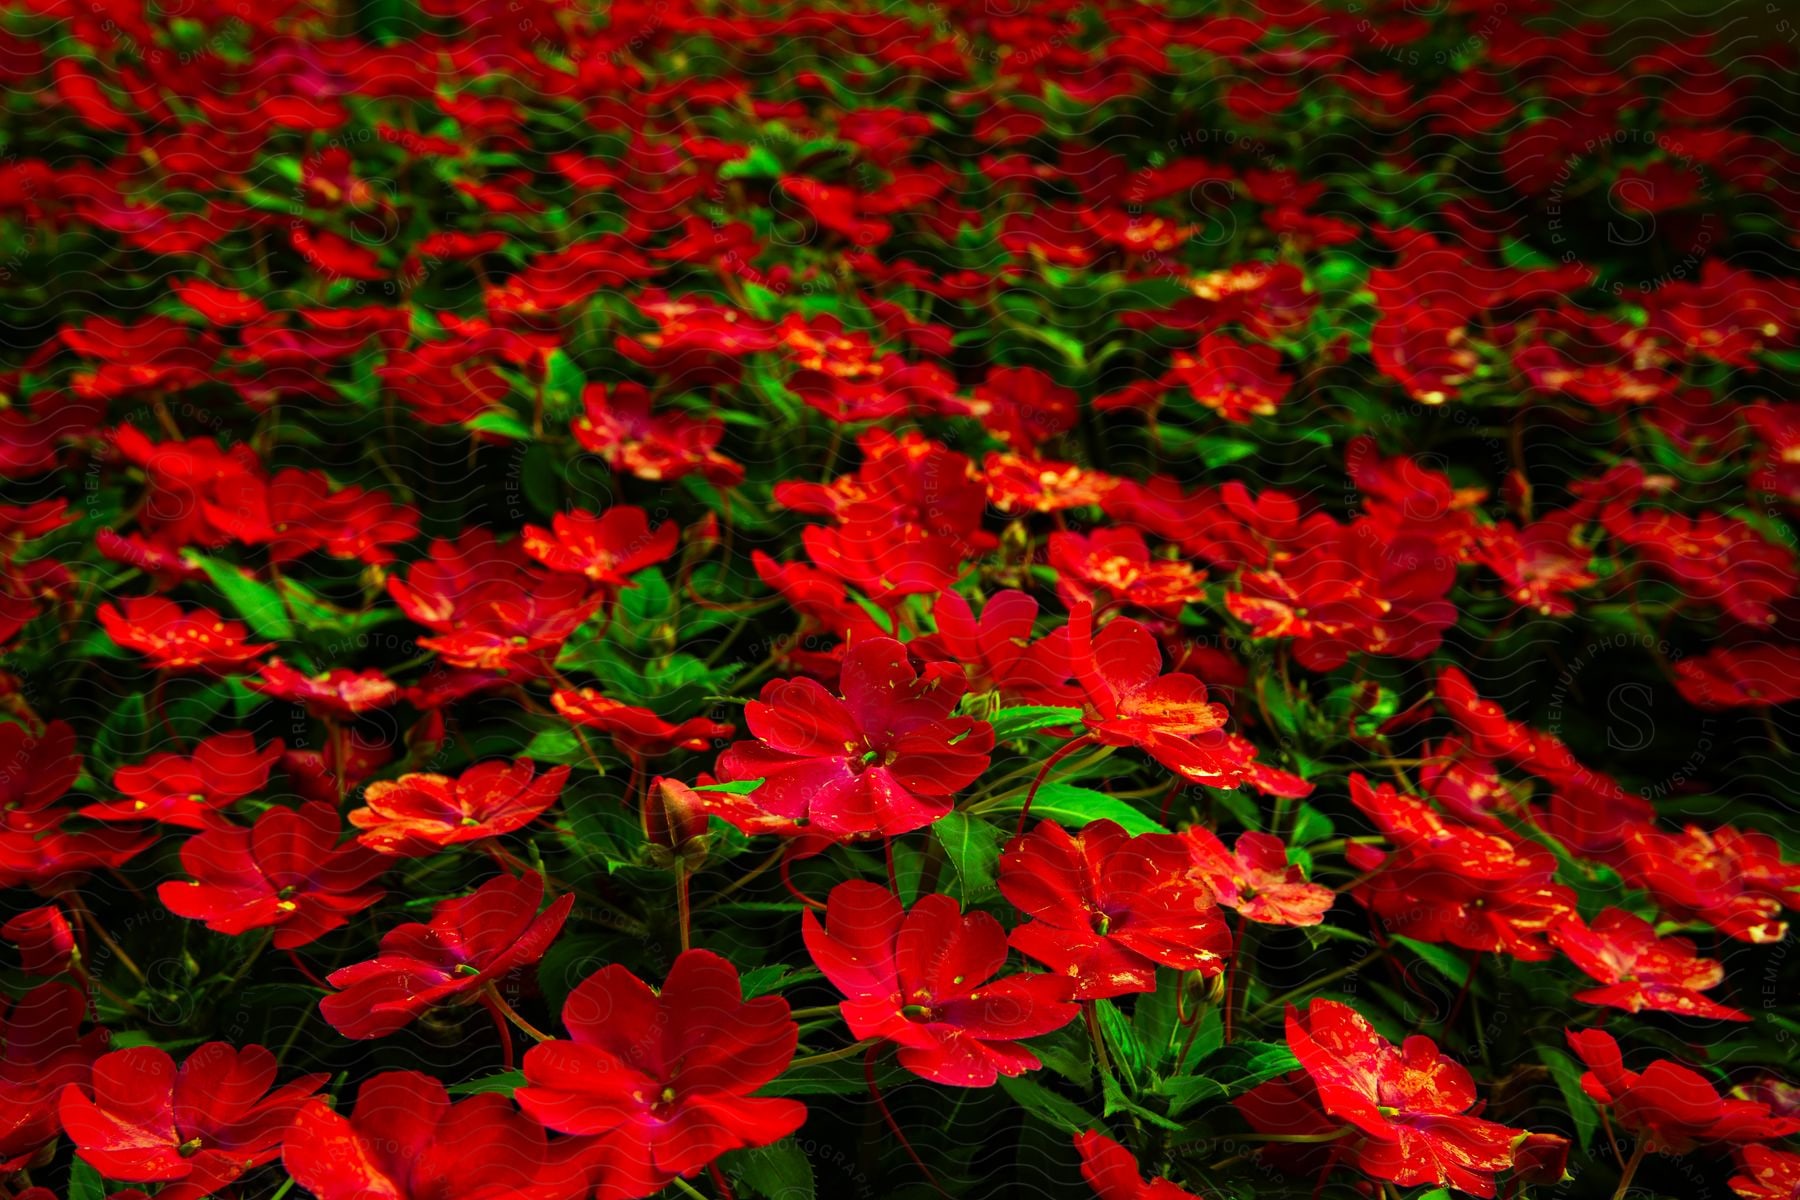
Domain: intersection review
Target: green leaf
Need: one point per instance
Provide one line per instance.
(564, 384)
(973, 847)
(559, 746)
(778, 1172)
(760, 981)
(1567, 1075)
(741, 787)
(501, 422)
(85, 1182)
(503, 1082)
(258, 603)
(1046, 1105)
(119, 739)
(1010, 723)
(1127, 1052)
(1444, 961)
(1076, 807)
(758, 164)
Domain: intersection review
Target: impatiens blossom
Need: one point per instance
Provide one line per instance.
(420, 814)
(287, 871)
(180, 639)
(470, 943)
(45, 942)
(636, 731)
(1169, 717)
(1734, 880)
(1255, 878)
(1404, 1111)
(188, 790)
(42, 1051)
(197, 1128)
(662, 1081)
(405, 1140)
(338, 694)
(999, 652)
(1641, 971)
(1446, 882)
(1107, 908)
(924, 980)
(1115, 566)
(884, 758)
(1672, 1106)
(608, 548)
(1767, 1174)
(1112, 1171)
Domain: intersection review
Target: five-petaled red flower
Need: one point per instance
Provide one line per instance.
(662, 1081)
(178, 640)
(924, 980)
(286, 871)
(190, 790)
(199, 1127)
(885, 758)
(1641, 971)
(1106, 907)
(1673, 1106)
(407, 1141)
(419, 814)
(1255, 878)
(470, 943)
(1404, 1109)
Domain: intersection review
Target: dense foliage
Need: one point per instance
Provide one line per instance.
(848, 599)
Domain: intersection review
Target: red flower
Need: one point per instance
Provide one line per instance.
(1407, 1105)
(419, 814)
(1115, 565)
(1132, 703)
(637, 731)
(608, 549)
(491, 608)
(338, 694)
(1674, 1108)
(1256, 879)
(1016, 484)
(884, 561)
(36, 770)
(202, 1125)
(622, 429)
(836, 209)
(998, 652)
(286, 871)
(299, 511)
(45, 941)
(406, 1141)
(1107, 907)
(663, 1081)
(883, 759)
(1234, 380)
(1712, 557)
(1454, 883)
(1112, 1171)
(470, 943)
(1732, 880)
(1768, 1174)
(1641, 971)
(1759, 676)
(924, 981)
(1541, 564)
(188, 790)
(42, 1051)
(178, 641)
